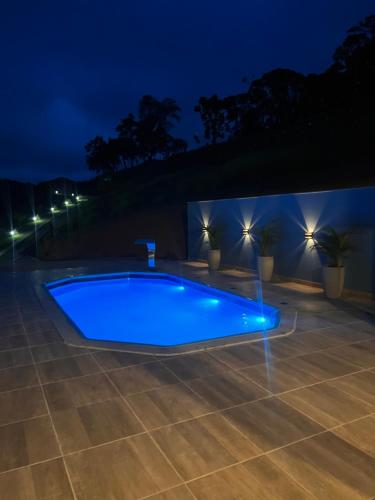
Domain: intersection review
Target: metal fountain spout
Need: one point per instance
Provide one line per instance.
(151, 249)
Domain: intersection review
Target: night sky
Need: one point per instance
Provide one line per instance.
(71, 70)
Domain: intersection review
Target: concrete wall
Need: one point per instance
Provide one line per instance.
(352, 209)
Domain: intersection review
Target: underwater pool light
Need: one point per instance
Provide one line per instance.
(261, 319)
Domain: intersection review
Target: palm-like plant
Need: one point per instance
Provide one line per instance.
(266, 237)
(334, 245)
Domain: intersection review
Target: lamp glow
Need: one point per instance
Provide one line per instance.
(35, 218)
(13, 233)
(309, 235)
(67, 203)
(246, 231)
(53, 210)
(205, 229)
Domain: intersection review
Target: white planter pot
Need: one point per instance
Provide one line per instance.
(333, 280)
(265, 268)
(214, 257)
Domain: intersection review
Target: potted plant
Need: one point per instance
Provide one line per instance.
(335, 246)
(214, 253)
(266, 237)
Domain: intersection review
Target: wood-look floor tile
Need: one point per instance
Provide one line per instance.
(127, 469)
(271, 423)
(94, 424)
(21, 405)
(26, 442)
(286, 347)
(315, 340)
(13, 342)
(45, 481)
(226, 389)
(360, 433)
(60, 369)
(347, 334)
(10, 330)
(197, 365)
(141, 378)
(15, 357)
(177, 493)
(46, 337)
(167, 405)
(39, 326)
(329, 467)
(203, 445)
(326, 404)
(279, 376)
(16, 378)
(56, 350)
(240, 356)
(323, 365)
(257, 479)
(360, 385)
(361, 353)
(76, 392)
(110, 360)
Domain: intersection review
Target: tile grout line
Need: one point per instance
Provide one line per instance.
(148, 433)
(54, 428)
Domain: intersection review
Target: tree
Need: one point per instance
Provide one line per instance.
(127, 131)
(101, 156)
(275, 97)
(212, 113)
(359, 37)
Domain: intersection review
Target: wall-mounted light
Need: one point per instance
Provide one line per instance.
(309, 235)
(246, 231)
(205, 229)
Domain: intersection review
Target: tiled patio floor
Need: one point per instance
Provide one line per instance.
(289, 418)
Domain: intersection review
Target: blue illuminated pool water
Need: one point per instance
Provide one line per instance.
(157, 309)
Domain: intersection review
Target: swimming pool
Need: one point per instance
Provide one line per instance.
(156, 309)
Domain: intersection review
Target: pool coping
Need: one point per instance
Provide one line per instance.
(71, 335)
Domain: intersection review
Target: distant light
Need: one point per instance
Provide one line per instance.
(35, 218)
(78, 198)
(67, 203)
(13, 233)
(73, 195)
(309, 235)
(53, 209)
(57, 192)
